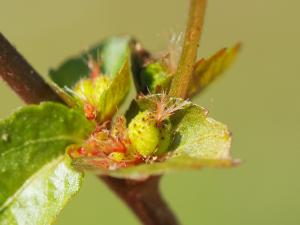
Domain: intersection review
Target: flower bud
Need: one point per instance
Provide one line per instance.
(147, 137)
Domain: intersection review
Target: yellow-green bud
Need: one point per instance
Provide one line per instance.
(147, 137)
(92, 89)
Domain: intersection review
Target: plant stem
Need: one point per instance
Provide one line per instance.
(142, 197)
(183, 75)
(21, 77)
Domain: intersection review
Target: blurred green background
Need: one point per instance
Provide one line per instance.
(258, 98)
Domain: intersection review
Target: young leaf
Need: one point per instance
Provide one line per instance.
(115, 93)
(196, 134)
(199, 136)
(199, 142)
(115, 63)
(155, 78)
(112, 52)
(32, 145)
(207, 70)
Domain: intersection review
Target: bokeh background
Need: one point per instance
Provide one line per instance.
(258, 98)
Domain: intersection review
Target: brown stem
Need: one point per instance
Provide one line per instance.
(21, 77)
(183, 75)
(142, 197)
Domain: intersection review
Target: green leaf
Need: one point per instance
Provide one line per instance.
(112, 52)
(42, 200)
(115, 62)
(115, 93)
(155, 78)
(173, 164)
(199, 141)
(32, 147)
(199, 136)
(207, 70)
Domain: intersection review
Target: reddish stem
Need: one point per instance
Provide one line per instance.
(21, 77)
(144, 199)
